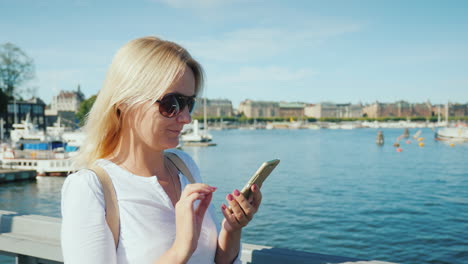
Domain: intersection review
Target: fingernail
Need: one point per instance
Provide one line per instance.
(236, 192)
(255, 187)
(213, 188)
(223, 207)
(230, 197)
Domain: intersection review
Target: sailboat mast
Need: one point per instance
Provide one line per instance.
(205, 122)
(446, 113)
(438, 115)
(15, 111)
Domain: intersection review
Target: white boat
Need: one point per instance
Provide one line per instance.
(32, 149)
(196, 135)
(285, 125)
(45, 162)
(28, 131)
(417, 134)
(452, 133)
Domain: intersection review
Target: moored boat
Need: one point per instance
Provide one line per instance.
(45, 162)
(196, 135)
(452, 134)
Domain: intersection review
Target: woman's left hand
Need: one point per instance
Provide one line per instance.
(240, 210)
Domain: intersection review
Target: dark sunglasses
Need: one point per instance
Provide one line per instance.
(173, 103)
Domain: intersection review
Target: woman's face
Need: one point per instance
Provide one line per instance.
(154, 131)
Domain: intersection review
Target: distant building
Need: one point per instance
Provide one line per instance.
(327, 109)
(64, 105)
(452, 109)
(67, 118)
(67, 101)
(309, 110)
(291, 109)
(214, 108)
(17, 111)
(253, 109)
(422, 109)
(458, 110)
(398, 109)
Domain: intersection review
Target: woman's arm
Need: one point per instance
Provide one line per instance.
(188, 222)
(85, 235)
(237, 216)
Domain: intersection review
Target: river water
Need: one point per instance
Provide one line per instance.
(334, 192)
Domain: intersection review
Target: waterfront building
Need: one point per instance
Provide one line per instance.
(18, 111)
(64, 105)
(450, 109)
(214, 108)
(458, 110)
(291, 109)
(422, 109)
(327, 109)
(398, 109)
(67, 118)
(254, 109)
(68, 101)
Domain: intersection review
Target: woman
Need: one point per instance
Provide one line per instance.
(146, 99)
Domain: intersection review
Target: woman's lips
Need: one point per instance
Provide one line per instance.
(177, 132)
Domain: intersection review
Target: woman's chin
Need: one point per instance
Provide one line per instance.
(172, 144)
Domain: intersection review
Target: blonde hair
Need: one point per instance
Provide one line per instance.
(142, 69)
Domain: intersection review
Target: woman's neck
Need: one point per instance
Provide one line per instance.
(138, 158)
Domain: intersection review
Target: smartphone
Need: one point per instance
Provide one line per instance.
(260, 176)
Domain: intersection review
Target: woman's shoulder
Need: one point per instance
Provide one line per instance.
(83, 179)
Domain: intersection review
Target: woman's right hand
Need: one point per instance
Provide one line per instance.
(189, 218)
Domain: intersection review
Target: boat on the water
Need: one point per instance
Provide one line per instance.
(50, 162)
(196, 136)
(48, 153)
(459, 133)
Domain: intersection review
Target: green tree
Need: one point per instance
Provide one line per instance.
(85, 106)
(15, 68)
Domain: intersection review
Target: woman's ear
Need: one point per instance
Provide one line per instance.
(121, 108)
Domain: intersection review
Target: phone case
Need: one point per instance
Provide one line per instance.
(260, 175)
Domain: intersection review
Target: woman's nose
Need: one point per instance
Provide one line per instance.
(185, 116)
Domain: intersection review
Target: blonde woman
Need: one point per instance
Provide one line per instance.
(146, 99)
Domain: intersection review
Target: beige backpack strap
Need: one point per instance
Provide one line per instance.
(180, 165)
(110, 199)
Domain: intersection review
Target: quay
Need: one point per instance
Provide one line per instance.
(199, 144)
(35, 239)
(7, 175)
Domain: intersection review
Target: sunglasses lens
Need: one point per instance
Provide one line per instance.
(169, 106)
(190, 104)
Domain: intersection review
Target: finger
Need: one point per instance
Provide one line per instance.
(189, 200)
(244, 204)
(204, 204)
(230, 218)
(197, 187)
(237, 210)
(256, 196)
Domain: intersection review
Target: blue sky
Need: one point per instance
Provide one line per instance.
(309, 51)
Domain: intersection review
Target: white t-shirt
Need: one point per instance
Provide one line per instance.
(147, 218)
